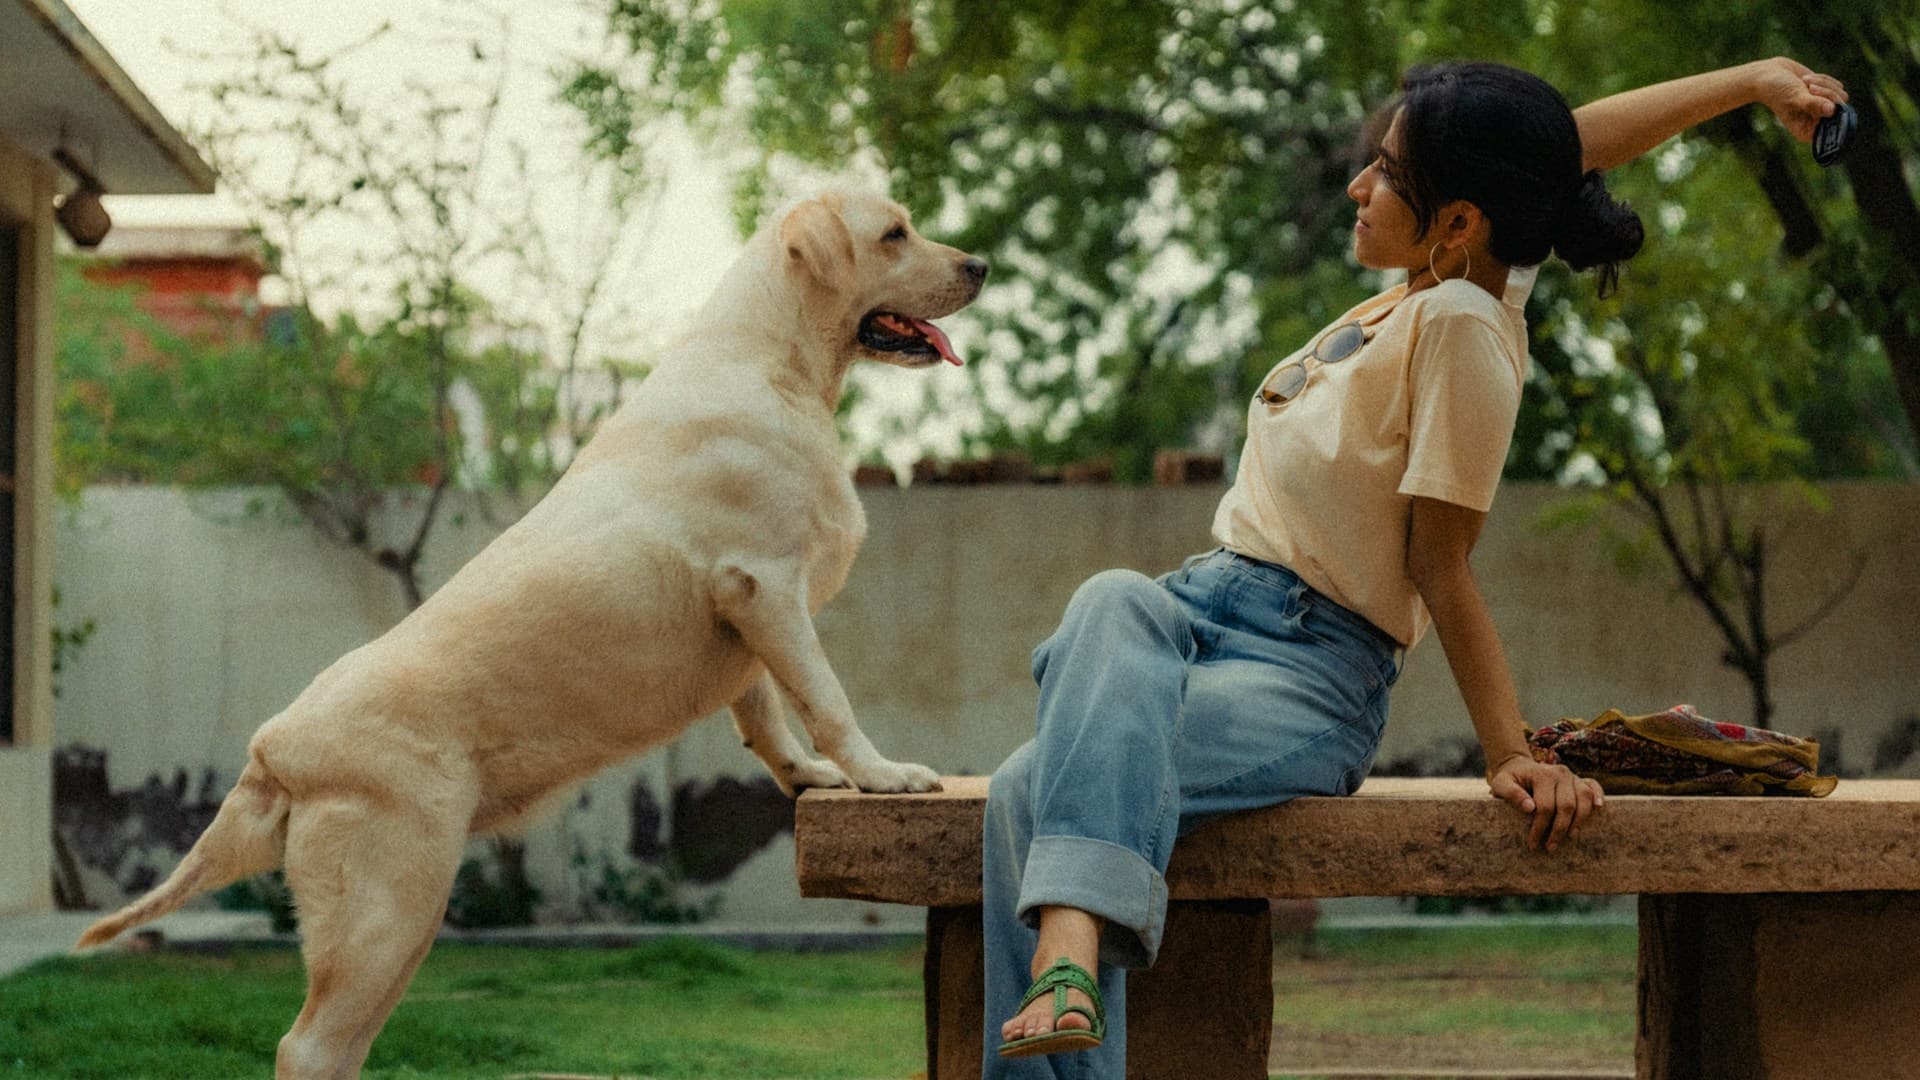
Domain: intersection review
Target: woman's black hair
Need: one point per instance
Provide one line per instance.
(1505, 141)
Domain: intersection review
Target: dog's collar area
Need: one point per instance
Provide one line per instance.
(886, 331)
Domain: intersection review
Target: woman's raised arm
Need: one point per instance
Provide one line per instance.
(1621, 127)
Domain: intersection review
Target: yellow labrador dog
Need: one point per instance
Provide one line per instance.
(674, 569)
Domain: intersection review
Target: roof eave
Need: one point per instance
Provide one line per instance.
(197, 176)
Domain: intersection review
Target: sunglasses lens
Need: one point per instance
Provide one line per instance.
(1341, 344)
(1286, 383)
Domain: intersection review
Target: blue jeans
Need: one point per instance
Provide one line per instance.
(1225, 685)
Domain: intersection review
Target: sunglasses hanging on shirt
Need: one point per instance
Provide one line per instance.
(1289, 379)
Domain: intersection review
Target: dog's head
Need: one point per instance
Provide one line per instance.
(858, 254)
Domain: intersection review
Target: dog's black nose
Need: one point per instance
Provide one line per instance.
(976, 267)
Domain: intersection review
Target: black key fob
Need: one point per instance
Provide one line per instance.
(1830, 135)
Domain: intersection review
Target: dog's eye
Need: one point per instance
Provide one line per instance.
(898, 232)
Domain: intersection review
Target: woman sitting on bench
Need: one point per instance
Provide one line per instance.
(1260, 671)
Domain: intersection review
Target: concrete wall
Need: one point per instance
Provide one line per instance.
(210, 618)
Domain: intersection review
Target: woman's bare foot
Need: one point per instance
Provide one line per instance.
(1067, 932)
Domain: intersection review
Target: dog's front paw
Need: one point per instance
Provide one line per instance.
(895, 776)
(817, 773)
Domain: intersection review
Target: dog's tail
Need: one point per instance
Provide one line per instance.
(247, 836)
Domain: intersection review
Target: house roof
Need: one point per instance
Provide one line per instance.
(57, 82)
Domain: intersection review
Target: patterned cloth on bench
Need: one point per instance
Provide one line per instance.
(1680, 752)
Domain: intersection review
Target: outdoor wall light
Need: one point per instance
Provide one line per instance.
(81, 214)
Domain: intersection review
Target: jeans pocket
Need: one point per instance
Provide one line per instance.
(1362, 650)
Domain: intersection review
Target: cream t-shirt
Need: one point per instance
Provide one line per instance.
(1426, 407)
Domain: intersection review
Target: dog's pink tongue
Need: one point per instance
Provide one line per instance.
(939, 338)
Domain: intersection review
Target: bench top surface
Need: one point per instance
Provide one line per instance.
(1435, 788)
(1397, 836)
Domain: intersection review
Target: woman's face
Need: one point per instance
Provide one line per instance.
(1386, 235)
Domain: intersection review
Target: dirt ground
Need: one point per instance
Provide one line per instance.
(1514, 1014)
(1353, 1056)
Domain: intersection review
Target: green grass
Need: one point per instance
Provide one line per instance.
(676, 1008)
(685, 1008)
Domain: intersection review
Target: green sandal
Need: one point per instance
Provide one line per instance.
(1062, 976)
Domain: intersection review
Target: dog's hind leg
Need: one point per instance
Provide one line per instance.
(764, 731)
(765, 602)
(370, 880)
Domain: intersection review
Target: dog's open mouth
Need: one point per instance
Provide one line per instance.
(884, 331)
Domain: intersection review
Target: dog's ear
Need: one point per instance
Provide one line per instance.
(818, 244)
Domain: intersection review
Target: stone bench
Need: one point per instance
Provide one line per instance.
(1779, 937)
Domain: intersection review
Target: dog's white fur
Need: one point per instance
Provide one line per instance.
(674, 569)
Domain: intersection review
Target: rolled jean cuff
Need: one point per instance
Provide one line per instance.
(1102, 879)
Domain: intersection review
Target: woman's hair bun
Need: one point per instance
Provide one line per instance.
(1595, 229)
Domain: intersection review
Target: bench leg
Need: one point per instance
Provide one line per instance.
(1205, 1009)
(1778, 986)
(953, 983)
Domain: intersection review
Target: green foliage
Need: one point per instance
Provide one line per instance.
(263, 892)
(345, 420)
(641, 894)
(342, 414)
(336, 415)
(1160, 188)
(521, 410)
(94, 326)
(494, 893)
(631, 892)
(1704, 414)
(1124, 165)
(67, 640)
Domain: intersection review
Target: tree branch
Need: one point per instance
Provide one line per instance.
(1827, 604)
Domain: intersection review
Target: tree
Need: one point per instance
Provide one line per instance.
(1677, 417)
(415, 171)
(1160, 185)
(1123, 164)
(338, 417)
(570, 276)
(355, 418)
(1863, 234)
(1852, 232)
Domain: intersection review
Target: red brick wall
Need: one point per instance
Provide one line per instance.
(214, 300)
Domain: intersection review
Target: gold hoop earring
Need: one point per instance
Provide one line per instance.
(1437, 279)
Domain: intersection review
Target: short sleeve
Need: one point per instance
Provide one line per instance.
(1465, 397)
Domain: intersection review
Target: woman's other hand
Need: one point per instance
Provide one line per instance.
(1799, 96)
(1558, 800)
